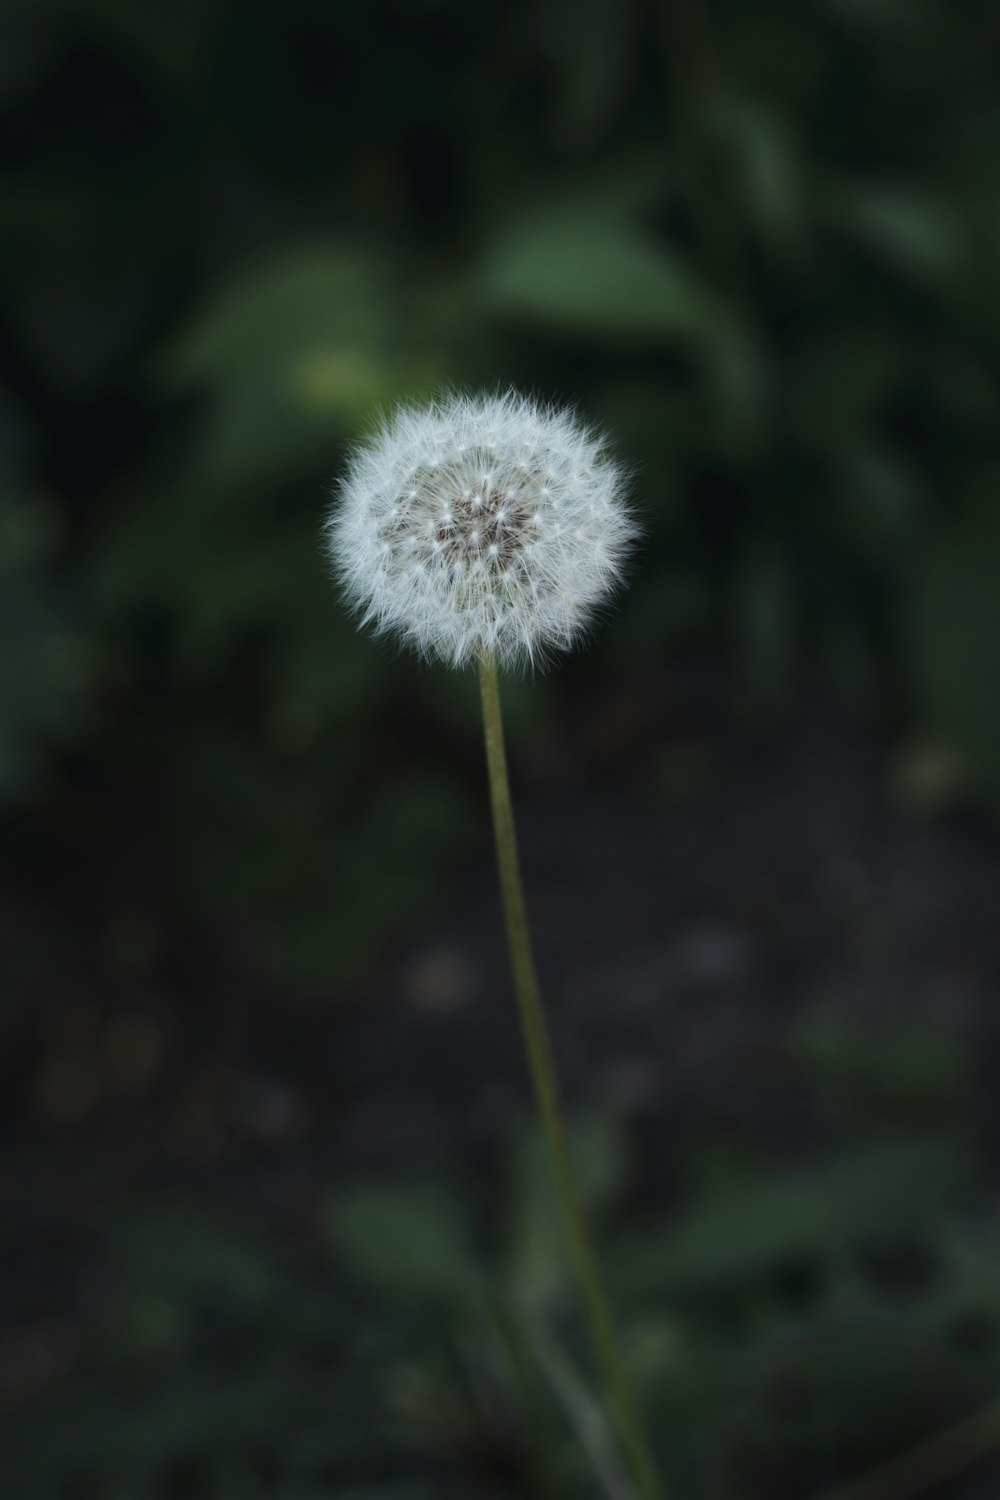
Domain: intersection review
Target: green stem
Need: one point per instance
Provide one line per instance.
(543, 1076)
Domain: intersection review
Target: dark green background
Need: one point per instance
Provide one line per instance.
(245, 885)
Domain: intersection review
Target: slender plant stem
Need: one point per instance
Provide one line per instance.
(543, 1075)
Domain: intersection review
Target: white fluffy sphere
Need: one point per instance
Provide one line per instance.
(487, 523)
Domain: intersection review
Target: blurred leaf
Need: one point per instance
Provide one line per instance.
(296, 349)
(910, 1063)
(411, 1239)
(962, 1303)
(46, 667)
(257, 432)
(954, 643)
(179, 1267)
(537, 1248)
(741, 386)
(765, 166)
(834, 1399)
(271, 314)
(860, 1197)
(910, 229)
(881, 494)
(598, 279)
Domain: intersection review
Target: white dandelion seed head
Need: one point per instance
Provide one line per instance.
(481, 523)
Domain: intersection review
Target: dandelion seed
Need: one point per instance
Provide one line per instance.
(432, 482)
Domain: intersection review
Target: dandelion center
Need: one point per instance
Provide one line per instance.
(488, 527)
(462, 517)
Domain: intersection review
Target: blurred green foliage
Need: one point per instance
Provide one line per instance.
(788, 1327)
(759, 248)
(45, 667)
(759, 245)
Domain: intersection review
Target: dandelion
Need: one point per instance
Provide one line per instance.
(490, 529)
(481, 524)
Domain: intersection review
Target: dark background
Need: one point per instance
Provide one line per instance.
(276, 1222)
